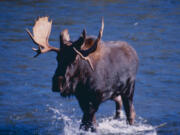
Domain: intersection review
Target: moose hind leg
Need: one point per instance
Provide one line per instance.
(118, 102)
(129, 109)
(127, 98)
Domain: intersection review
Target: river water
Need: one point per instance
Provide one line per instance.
(29, 107)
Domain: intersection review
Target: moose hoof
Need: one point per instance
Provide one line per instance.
(117, 117)
(130, 121)
(88, 127)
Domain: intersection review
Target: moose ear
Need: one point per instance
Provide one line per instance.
(65, 38)
(78, 43)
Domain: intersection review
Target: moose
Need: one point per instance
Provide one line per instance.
(91, 70)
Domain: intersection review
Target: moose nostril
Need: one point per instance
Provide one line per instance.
(60, 83)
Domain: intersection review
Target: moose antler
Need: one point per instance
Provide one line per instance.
(84, 53)
(41, 32)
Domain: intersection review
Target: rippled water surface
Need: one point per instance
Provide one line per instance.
(152, 27)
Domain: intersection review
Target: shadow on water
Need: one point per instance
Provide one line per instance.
(27, 105)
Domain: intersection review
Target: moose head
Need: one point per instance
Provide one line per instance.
(68, 51)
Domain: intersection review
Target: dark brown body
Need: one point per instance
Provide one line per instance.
(115, 66)
(90, 69)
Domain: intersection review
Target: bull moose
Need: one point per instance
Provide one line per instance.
(90, 69)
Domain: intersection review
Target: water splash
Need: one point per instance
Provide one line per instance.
(106, 125)
(111, 126)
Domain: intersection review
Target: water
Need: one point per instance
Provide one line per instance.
(27, 105)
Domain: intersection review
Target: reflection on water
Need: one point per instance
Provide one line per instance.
(152, 27)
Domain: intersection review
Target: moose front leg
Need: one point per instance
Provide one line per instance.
(89, 107)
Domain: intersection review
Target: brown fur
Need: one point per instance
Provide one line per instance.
(115, 66)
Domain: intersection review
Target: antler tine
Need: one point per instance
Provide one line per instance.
(101, 30)
(84, 58)
(84, 33)
(38, 51)
(31, 36)
(41, 32)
